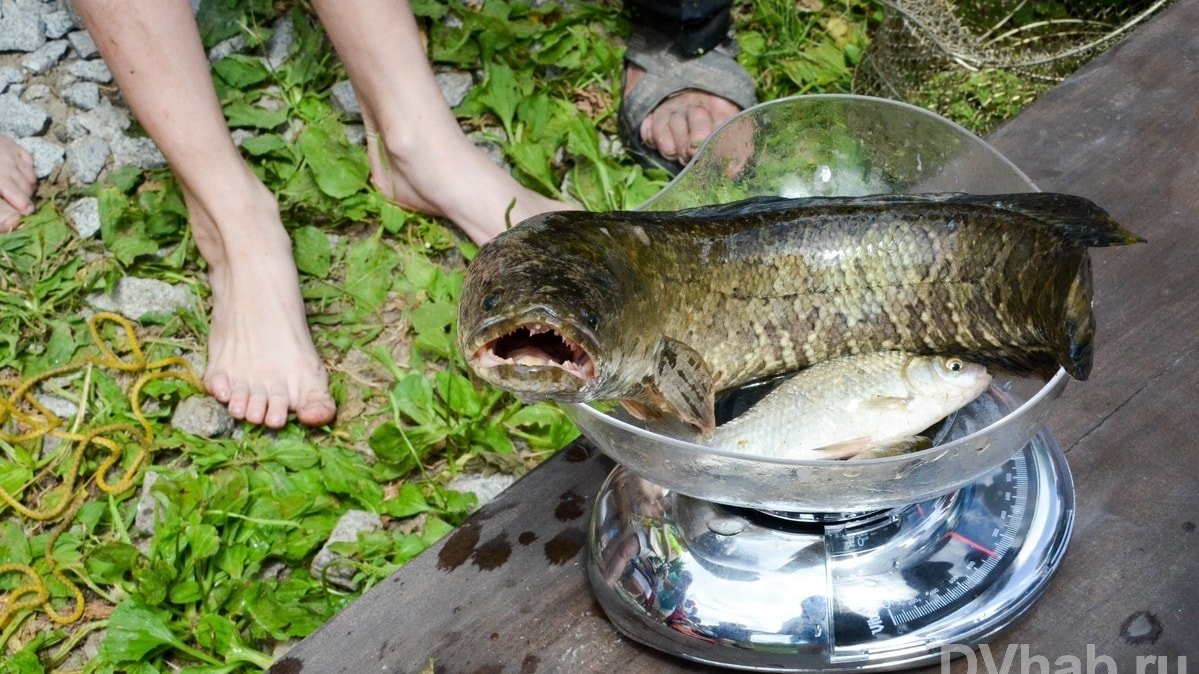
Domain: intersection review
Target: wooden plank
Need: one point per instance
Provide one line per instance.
(508, 591)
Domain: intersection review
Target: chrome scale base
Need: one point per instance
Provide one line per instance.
(792, 592)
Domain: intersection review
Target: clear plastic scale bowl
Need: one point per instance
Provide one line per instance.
(831, 145)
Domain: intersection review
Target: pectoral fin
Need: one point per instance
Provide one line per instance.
(913, 443)
(883, 404)
(682, 384)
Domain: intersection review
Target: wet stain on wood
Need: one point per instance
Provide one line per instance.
(458, 547)
(570, 507)
(286, 666)
(577, 453)
(491, 555)
(562, 548)
(1141, 627)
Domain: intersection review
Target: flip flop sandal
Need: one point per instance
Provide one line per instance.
(668, 72)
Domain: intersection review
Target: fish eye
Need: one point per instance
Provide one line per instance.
(492, 300)
(955, 364)
(589, 318)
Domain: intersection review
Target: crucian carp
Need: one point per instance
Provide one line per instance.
(661, 310)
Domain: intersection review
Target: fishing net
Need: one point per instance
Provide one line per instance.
(980, 61)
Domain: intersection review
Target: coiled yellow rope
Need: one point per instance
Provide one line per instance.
(42, 422)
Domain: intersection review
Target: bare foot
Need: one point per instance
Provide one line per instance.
(17, 182)
(456, 181)
(261, 360)
(681, 123)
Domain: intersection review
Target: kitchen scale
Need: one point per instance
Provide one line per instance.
(773, 565)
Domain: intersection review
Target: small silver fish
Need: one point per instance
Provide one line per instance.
(862, 406)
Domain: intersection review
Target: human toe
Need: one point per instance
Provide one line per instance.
(256, 406)
(277, 408)
(316, 408)
(9, 217)
(218, 387)
(238, 402)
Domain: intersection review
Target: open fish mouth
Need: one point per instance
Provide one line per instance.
(536, 346)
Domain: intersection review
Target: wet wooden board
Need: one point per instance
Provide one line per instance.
(508, 592)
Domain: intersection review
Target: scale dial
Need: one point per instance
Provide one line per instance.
(810, 592)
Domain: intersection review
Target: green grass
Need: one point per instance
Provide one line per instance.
(224, 580)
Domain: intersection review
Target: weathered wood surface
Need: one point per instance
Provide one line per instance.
(508, 591)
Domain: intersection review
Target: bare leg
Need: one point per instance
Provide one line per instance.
(681, 123)
(17, 182)
(261, 360)
(419, 156)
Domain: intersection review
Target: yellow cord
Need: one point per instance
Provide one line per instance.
(42, 422)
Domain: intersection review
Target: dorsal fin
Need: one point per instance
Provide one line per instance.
(1076, 219)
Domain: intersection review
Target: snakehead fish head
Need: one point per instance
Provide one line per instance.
(541, 323)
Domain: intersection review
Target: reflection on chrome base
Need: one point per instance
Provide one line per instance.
(853, 591)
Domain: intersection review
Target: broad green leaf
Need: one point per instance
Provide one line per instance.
(136, 630)
(294, 454)
(433, 317)
(389, 444)
(241, 113)
(266, 144)
(346, 472)
(369, 265)
(408, 502)
(314, 255)
(218, 20)
(459, 394)
(185, 592)
(203, 539)
(420, 271)
(501, 93)
(240, 72)
(340, 169)
(494, 438)
(111, 562)
(24, 661)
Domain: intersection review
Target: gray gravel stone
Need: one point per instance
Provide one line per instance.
(59, 406)
(356, 134)
(83, 95)
(21, 29)
(10, 75)
(85, 46)
(220, 50)
(87, 157)
(84, 215)
(149, 510)
(483, 139)
(344, 101)
(58, 23)
(325, 565)
(282, 36)
(240, 136)
(455, 85)
(47, 155)
(139, 152)
(18, 119)
(484, 487)
(36, 92)
(105, 121)
(45, 57)
(203, 417)
(134, 297)
(92, 70)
